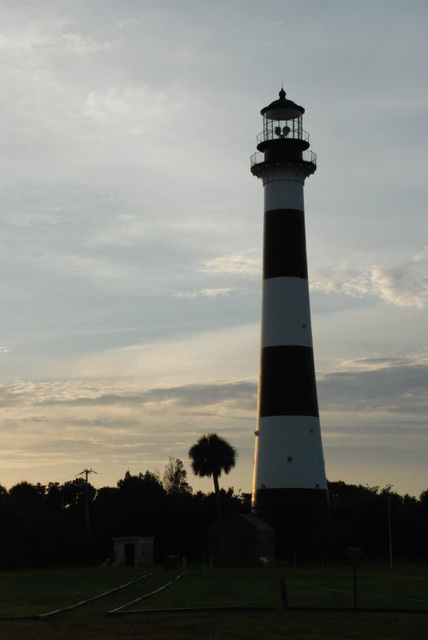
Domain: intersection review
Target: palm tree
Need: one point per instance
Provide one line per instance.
(211, 456)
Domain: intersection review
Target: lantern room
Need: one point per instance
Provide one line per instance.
(283, 137)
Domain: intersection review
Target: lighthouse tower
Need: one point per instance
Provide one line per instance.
(289, 482)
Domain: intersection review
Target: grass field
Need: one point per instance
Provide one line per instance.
(30, 593)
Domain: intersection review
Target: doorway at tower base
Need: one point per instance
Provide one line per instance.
(301, 520)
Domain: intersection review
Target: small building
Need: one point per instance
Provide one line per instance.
(133, 551)
(242, 540)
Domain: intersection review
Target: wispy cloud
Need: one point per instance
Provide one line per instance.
(102, 272)
(207, 293)
(397, 385)
(244, 263)
(77, 44)
(48, 37)
(364, 403)
(52, 426)
(104, 394)
(404, 286)
(135, 110)
(391, 384)
(124, 230)
(6, 348)
(394, 385)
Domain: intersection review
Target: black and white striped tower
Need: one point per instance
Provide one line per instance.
(289, 476)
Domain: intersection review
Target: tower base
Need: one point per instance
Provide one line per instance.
(300, 518)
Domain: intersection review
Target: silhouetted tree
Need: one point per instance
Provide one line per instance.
(42, 525)
(53, 496)
(28, 502)
(175, 478)
(423, 499)
(141, 506)
(210, 456)
(28, 522)
(73, 493)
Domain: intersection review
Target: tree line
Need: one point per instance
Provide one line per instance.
(44, 525)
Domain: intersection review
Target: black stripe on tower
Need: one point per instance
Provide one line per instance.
(278, 499)
(287, 384)
(284, 244)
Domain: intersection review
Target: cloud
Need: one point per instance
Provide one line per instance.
(208, 293)
(45, 38)
(115, 428)
(128, 22)
(77, 44)
(393, 429)
(366, 404)
(244, 263)
(101, 422)
(391, 386)
(135, 110)
(403, 286)
(387, 386)
(104, 273)
(370, 364)
(124, 229)
(81, 394)
(7, 348)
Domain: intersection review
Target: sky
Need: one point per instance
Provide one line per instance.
(131, 231)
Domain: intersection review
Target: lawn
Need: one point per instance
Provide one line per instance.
(40, 591)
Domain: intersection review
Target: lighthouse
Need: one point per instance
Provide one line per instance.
(289, 483)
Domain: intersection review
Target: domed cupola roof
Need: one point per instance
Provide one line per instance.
(282, 109)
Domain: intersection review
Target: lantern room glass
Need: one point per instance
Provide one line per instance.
(274, 129)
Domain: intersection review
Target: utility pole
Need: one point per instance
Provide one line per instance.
(390, 532)
(86, 473)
